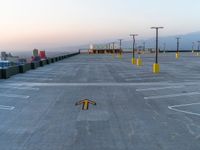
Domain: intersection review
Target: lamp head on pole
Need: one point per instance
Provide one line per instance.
(133, 34)
(157, 27)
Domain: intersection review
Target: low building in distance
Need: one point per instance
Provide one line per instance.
(7, 59)
(38, 55)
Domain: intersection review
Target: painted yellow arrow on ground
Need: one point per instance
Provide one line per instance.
(85, 103)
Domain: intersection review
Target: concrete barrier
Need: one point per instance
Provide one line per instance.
(52, 60)
(8, 72)
(48, 60)
(0, 73)
(35, 65)
(5, 73)
(42, 63)
(45, 62)
(24, 68)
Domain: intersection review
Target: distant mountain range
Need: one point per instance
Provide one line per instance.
(170, 42)
(186, 42)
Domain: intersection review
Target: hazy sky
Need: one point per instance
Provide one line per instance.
(26, 24)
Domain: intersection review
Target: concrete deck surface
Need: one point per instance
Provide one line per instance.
(136, 109)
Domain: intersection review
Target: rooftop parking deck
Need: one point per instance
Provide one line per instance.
(135, 109)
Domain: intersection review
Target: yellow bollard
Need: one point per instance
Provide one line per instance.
(177, 55)
(113, 55)
(139, 62)
(120, 56)
(133, 61)
(156, 68)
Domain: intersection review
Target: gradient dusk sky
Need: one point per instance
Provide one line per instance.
(26, 24)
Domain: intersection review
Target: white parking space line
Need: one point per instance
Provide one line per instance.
(160, 88)
(14, 96)
(37, 73)
(43, 72)
(39, 76)
(189, 80)
(172, 95)
(33, 84)
(189, 77)
(126, 74)
(19, 88)
(145, 78)
(7, 107)
(29, 78)
(174, 108)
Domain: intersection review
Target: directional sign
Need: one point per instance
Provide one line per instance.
(85, 103)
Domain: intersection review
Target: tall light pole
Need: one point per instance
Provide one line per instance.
(193, 47)
(156, 66)
(164, 47)
(193, 44)
(198, 45)
(113, 46)
(106, 49)
(177, 47)
(113, 49)
(120, 44)
(144, 46)
(177, 44)
(120, 48)
(133, 57)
